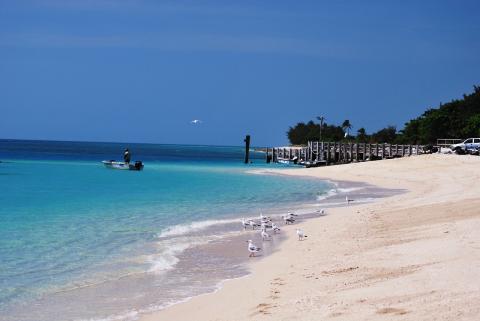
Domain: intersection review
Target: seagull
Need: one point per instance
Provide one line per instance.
(245, 223)
(348, 200)
(275, 228)
(322, 211)
(264, 219)
(264, 226)
(253, 224)
(265, 235)
(252, 248)
(288, 219)
(196, 121)
(300, 234)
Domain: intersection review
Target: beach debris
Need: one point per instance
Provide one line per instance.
(252, 248)
(275, 228)
(301, 234)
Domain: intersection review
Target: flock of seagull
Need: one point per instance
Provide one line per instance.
(265, 223)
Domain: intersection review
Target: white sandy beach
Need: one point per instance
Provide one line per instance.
(414, 256)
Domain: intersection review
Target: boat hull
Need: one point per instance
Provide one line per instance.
(138, 166)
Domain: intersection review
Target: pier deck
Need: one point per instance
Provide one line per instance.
(327, 153)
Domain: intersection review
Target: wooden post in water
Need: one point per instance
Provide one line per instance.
(247, 148)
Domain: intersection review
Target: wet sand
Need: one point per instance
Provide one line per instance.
(412, 256)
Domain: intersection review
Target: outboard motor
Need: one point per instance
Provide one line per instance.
(138, 165)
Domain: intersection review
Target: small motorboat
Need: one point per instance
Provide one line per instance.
(288, 161)
(138, 166)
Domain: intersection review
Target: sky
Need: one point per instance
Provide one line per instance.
(142, 70)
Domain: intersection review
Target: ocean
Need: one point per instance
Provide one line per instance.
(79, 241)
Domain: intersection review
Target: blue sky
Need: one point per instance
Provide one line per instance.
(140, 71)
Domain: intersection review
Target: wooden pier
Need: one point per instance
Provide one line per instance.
(327, 153)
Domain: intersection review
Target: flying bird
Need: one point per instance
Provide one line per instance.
(196, 121)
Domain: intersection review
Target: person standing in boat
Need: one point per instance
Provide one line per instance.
(126, 156)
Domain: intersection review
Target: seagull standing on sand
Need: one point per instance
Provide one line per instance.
(347, 200)
(265, 225)
(300, 234)
(245, 224)
(252, 248)
(264, 219)
(275, 228)
(265, 235)
(252, 224)
(288, 219)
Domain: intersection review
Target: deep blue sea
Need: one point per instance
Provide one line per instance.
(79, 241)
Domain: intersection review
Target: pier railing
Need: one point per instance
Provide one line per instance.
(447, 142)
(325, 153)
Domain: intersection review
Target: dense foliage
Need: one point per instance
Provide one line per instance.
(456, 119)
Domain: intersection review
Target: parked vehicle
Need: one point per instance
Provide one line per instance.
(474, 151)
(470, 144)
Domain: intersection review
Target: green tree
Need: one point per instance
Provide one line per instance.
(385, 135)
(347, 126)
(362, 136)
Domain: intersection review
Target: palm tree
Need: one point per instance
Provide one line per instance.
(362, 135)
(321, 119)
(347, 126)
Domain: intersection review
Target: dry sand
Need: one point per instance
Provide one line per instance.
(414, 256)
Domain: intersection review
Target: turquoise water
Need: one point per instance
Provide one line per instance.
(67, 222)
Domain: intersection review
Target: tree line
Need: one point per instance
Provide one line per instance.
(459, 118)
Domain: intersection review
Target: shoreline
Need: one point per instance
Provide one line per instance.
(201, 237)
(232, 243)
(280, 285)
